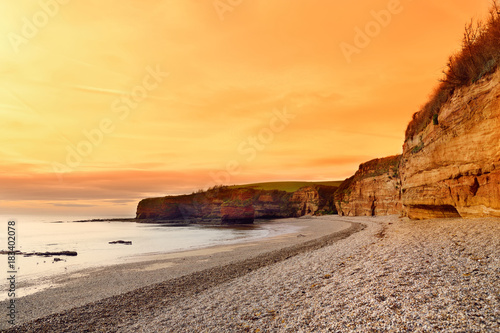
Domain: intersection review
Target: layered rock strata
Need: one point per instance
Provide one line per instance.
(452, 167)
(375, 189)
(238, 205)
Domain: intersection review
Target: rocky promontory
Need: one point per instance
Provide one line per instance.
(236, 205)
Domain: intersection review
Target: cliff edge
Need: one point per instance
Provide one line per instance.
(452, 167)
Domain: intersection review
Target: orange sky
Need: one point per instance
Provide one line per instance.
(105, 102)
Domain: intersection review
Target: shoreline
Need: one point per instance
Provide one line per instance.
(55, 262)
(97, 284)
(393, 275)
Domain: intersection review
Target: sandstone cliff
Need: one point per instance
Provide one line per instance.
(229, 205)
(317, 200)
(375, 189)
(452, 167)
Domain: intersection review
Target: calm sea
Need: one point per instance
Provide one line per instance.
(91, 241)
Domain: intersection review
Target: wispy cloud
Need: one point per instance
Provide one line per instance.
(72, 205)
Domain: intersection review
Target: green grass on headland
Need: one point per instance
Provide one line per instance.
(291, 186)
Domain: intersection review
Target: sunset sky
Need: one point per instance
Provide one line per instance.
(105, 102)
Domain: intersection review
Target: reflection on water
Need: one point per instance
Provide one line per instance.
(91, 241)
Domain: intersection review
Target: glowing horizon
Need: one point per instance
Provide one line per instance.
(104, 104)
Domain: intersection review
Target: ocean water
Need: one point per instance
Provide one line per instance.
(91, 241)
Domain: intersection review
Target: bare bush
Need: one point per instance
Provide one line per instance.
(478, 57)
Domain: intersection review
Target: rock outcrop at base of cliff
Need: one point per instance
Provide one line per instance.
(452, 167)
(373, 190)
(229, 205)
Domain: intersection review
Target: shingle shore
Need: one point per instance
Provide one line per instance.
(394, 276)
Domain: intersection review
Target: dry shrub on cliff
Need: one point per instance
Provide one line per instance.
(479, 56)
(422, 118)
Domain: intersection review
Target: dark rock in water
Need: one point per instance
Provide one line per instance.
(58, 259)
(121, 242)
(10, 252)
(49, 254)
(124, 219)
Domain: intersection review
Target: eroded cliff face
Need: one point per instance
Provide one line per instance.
(375, 189)
(238, 205)
(452, 168)
(314, 200)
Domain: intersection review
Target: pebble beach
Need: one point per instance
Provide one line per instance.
(375, 274)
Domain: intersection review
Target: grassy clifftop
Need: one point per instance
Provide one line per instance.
(291, 186)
